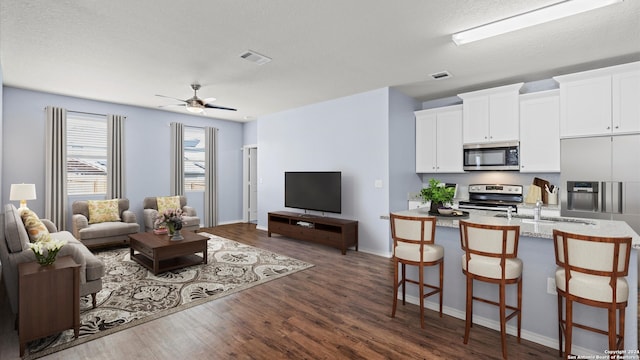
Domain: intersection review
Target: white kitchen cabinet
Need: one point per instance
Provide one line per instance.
(491, 115)
(625, 91)
(600, 102)
(540, 132)
(439, 140)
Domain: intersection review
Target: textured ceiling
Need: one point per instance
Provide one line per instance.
(127, 51)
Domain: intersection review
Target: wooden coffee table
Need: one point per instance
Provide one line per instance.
(159, 254)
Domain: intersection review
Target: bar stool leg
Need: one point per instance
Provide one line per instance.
(395, 287)
(560, 328)
(503, 315)
(613, 331)
(467, 325)
(568, 327)
(621, 324)
(441, 284)
(421, 287)
(404, 282)
(519, 308)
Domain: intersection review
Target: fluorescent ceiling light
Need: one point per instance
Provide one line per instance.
(531, 18)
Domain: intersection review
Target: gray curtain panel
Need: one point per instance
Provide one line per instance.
(211, 177)
(56, 167)
(177, 159)
(115, 157)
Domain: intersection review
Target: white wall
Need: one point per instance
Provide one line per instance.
(348, 134)
(147, 148)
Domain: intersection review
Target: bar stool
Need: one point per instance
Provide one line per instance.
(413, 244)
(490, 255)
(591, 271)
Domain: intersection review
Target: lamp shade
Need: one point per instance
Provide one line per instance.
(22, 192)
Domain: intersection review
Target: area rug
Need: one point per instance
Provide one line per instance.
(132, 295)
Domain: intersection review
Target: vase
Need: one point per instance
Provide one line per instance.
(435, 206)
(48, 259)
(176, 235)
(171, 228)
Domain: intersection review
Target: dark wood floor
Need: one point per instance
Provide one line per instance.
(339, 309)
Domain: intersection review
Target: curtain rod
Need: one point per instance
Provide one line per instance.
(85, 113)
(82, 112)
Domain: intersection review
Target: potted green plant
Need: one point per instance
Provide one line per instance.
(438, 194)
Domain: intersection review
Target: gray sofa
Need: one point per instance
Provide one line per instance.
(190, 220)
(105, 233)
(14, 250)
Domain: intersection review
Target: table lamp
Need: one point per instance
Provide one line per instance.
(22, 192)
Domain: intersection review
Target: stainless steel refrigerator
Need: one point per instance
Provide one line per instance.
(601, 178)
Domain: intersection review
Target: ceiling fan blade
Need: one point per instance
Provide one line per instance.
(169, 97)
(210, 106)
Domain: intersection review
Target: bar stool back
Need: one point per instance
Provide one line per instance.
(591, 271)
(491, 256)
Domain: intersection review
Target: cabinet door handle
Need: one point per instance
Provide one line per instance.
(608, 127)
(617, 127)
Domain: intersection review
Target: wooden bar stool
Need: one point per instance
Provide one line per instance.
(591, 271)
(490, 255)
(413, 244)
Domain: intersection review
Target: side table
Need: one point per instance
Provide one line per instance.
(48, 299)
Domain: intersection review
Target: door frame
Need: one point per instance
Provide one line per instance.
(246, 181)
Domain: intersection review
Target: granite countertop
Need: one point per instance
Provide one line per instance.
(541, 229)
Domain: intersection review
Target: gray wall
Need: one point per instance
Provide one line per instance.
(349, 134)
(147, 148)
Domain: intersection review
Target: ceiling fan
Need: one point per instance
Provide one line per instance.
(196, 105)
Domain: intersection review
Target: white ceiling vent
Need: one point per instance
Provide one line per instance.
(253, 56)
(441, 75)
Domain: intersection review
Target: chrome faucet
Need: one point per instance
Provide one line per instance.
(537, 210)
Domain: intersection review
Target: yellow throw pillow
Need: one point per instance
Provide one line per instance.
(35, 227)
(103, 211)
(168, 203)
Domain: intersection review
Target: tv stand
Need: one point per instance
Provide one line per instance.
(339, 233)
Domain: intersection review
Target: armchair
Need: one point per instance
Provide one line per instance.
(96, 234)
(190, 220)
(14, 250)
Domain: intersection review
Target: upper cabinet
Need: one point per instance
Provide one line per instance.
(491, 115)
(540, 132)
(439, 140)
(600, 102)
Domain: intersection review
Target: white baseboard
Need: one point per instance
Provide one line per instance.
(495, 325)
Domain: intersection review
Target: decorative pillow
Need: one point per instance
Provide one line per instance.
(35, 227)
(103, 211)
(168, 203)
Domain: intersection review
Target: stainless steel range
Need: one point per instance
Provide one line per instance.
(494, 197)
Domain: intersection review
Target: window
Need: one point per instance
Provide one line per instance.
(86, 154)
(193, 159)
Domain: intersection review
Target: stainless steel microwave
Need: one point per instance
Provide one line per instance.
(492, 156)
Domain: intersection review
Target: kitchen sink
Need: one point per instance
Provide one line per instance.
(546, 219)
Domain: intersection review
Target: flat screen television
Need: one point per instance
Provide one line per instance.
(313, 190)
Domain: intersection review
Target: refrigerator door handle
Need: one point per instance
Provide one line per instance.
(620, 197)
(603, 197)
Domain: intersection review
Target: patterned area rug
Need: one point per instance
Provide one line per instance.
(132, 295)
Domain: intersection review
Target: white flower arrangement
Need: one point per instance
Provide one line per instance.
(170, 218)
(45, 248)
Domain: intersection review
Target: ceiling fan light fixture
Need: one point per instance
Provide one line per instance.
(535, 17)
(195, 109)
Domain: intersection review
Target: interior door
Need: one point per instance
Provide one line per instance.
(253, 184)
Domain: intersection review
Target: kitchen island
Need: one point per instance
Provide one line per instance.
(539, 301)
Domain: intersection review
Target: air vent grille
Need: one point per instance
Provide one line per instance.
(440, 75)
(253, 56)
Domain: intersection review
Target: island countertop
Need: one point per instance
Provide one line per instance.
(540, 229)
